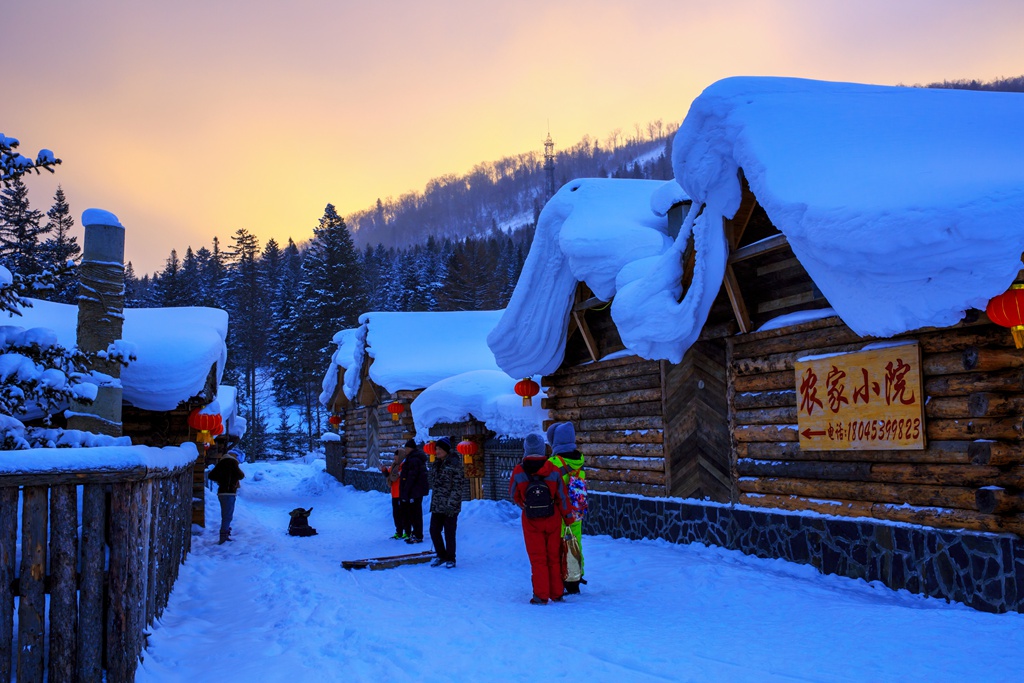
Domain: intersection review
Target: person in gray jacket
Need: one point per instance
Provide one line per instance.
(449, 480)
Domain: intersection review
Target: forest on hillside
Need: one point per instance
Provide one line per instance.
(510, 192)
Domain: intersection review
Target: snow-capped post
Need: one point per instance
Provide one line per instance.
(100, 319)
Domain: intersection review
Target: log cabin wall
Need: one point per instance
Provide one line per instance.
(391, 435)
(973, 382)
(616, 407)
(697, 437)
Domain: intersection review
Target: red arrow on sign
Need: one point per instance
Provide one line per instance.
(807, 433)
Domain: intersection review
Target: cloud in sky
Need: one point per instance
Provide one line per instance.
(193, 118)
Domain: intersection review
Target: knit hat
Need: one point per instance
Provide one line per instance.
(562, 437)
(444, 444)
(533, 444)
(237, 453)
(411, 443)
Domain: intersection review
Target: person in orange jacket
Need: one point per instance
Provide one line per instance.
(538, 489)
(392, 476)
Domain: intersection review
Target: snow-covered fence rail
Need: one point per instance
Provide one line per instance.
(103, 532)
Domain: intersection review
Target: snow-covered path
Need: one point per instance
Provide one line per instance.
(270, 607)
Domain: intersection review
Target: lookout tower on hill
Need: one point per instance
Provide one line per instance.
(549, 164)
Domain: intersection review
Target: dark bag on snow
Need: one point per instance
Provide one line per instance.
(537, 501)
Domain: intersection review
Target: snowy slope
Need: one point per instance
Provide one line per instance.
(273, 608)
(176, 347)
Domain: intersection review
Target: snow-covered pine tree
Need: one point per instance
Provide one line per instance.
(13, 165)
(332, 296)
(248, 306)
(60, 251)
(170, 290)
(286, 376)
(20, 229)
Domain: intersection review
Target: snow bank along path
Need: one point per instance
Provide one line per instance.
(270, 607)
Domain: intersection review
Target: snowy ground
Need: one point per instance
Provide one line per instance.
(270, 607)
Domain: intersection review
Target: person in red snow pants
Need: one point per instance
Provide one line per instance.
(537, 487)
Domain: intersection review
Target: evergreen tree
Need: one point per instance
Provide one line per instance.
(332, 296)
(286, 378)
(191, 279)
(20, 230)
(131, 287)
(60, 249)
(169, 285)
(247, 305)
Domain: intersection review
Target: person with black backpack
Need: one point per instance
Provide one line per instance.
(538, 489)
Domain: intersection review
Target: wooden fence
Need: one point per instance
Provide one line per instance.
(105, 542)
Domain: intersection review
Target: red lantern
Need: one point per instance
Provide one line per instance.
(334, 420)
(206, 424)
(467, 449)
(1007, 310)
(396, 409)
(430, 448)
(527, 388)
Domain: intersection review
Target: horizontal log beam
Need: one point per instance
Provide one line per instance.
(999, 501)
(939, 517)
(649, 490)
(744, 433)
(656, 478)
(998, 454)
(591, 366)
(650, 381)
(937, 452)
(639, 450)
(623, 436)
(936, 496)
(90, 476)
(639, 409)
(610, 399)
(765, 246)
(779, 398)
(610, 462)
(601, 372)
(890, 473)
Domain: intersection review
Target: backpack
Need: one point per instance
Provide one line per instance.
(578, 494)
(537, 500)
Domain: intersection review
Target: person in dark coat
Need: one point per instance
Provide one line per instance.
(413, 485)
(228, 476)
(542, 523)
(446, 503)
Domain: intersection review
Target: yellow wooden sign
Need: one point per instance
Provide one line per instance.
(864, 400)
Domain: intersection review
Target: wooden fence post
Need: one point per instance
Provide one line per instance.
(120, 663)
(63, 583)
(31, 586)
(8, 538)
(90, 599)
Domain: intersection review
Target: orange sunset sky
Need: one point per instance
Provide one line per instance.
(190, 118)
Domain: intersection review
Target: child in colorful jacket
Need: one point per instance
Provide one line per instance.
(569, 461)
(542, 533)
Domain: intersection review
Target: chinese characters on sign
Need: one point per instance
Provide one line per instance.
(864, 400)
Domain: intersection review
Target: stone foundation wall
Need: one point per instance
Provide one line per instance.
(985, 571)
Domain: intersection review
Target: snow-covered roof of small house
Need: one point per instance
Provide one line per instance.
(485, 395)
(414, 350)
(594, 230)
(443, 353)
(904, 205)
(175, 348)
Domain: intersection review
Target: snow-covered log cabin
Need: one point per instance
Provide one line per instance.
(180, 356)
(647, 426)
(435, 374)
(842, 246)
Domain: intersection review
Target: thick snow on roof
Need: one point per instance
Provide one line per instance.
(486, 395)
(343, 358)
(903, 204)
(593, 230)
(414, 350)
(176, 347)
